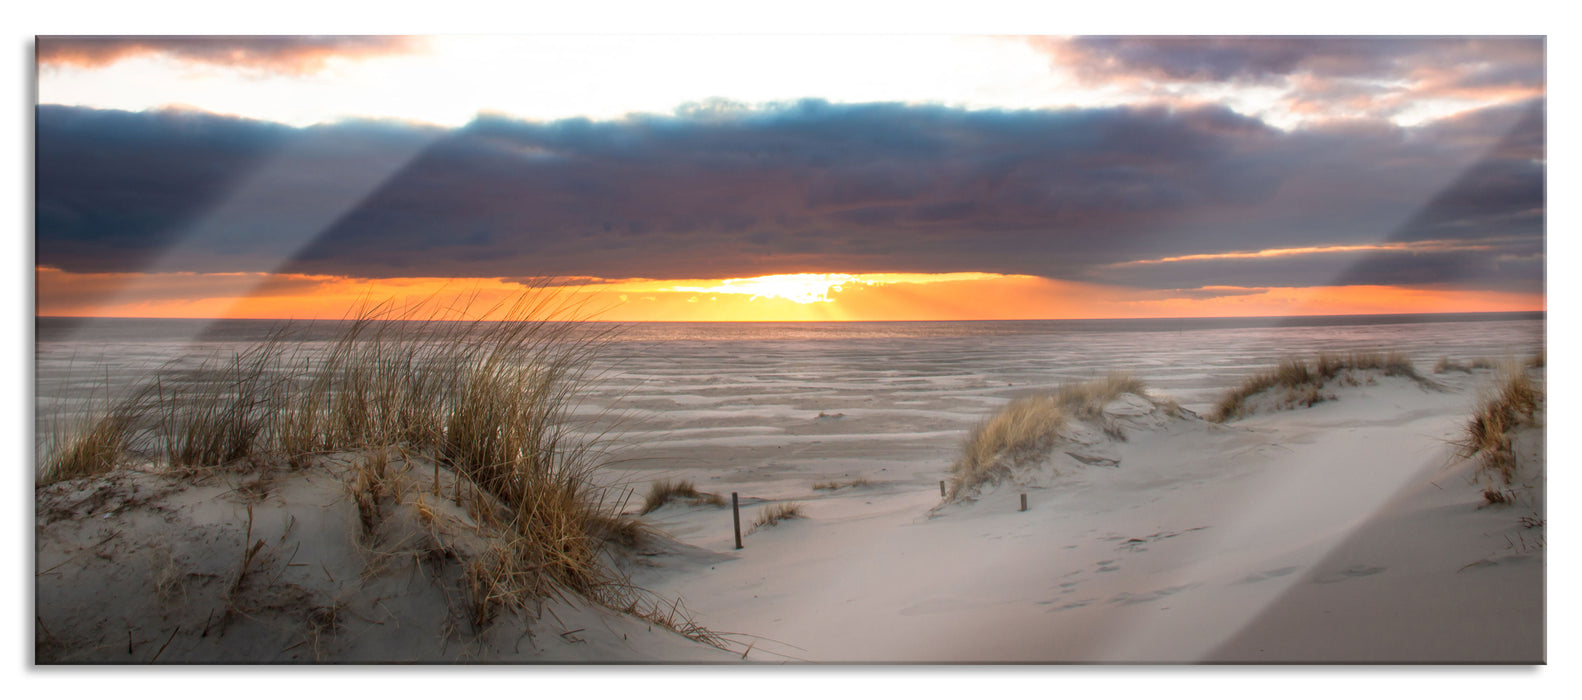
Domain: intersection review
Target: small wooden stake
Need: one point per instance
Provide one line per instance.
(941, 489)
(736, 519)
(1024, 502)
(168, 640)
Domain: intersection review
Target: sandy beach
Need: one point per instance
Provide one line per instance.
(855, 345)
(1345, 531)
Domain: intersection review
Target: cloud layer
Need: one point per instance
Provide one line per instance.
(721, 190)
(1356, 76)
(282, 54)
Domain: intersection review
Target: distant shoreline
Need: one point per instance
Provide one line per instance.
(1206, 322)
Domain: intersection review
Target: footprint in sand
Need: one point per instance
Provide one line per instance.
(1107, 565)
(1357, 571)
(1479, 564)
(1073, 605)
(934, 606)
(1133, 599)
(1272, 573)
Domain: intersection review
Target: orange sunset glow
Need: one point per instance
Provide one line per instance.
(778, 298)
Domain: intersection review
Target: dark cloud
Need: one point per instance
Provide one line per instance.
(286, 54)
(1510, 264)
(1324, 77)
(117, 185)
(1501, 193)
(803, 187)
(181, 191)
(1494, 61)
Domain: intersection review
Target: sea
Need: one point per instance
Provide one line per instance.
(674, 391)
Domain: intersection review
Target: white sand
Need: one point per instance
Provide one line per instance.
(1341, 532)
(136, 568)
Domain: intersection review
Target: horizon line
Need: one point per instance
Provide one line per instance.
(37, 317)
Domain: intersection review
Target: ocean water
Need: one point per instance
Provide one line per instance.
(719, 396)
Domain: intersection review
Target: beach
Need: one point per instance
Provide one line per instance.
(1347, 530)
(880, 346)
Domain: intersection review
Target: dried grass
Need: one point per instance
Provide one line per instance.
(665, 491)
(773, 515)
(170, 577)
(1026, 428)
(1303, 382)
(490, 399)
(1445, 364)
(369, 487)
(74, 453)
(93, 439)
(217, 415)
(838, 485)
(1512, 403)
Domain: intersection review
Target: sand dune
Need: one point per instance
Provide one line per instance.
(1341, 532)
(1346, 530)
(279, 567)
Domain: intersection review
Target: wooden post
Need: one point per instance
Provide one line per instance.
(1024, 502)
(941, 489)
(736, 519)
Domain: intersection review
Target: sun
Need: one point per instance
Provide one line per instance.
(803, 288)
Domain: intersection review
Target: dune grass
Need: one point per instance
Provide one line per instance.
(838, 485)
(665, 491)
(488, 396)
(487, 400)
(217, 414)
(1302, 382)
(369, 486)
(1025, 428)
(1511, 404)
(92, 439)
(773, 515)
(1445, 364)
(94, 447)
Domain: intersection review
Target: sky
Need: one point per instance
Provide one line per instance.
(760, 177)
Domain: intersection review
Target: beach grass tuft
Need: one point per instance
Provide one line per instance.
(217, 415)
(838, 485)
(1445, 364)
(665, 491)
(773, 515)
(97, 436)
(369, 485)
(94, 448)
(1512, 403)
(1496, 497)
(1302, 382)
(1026, 427)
